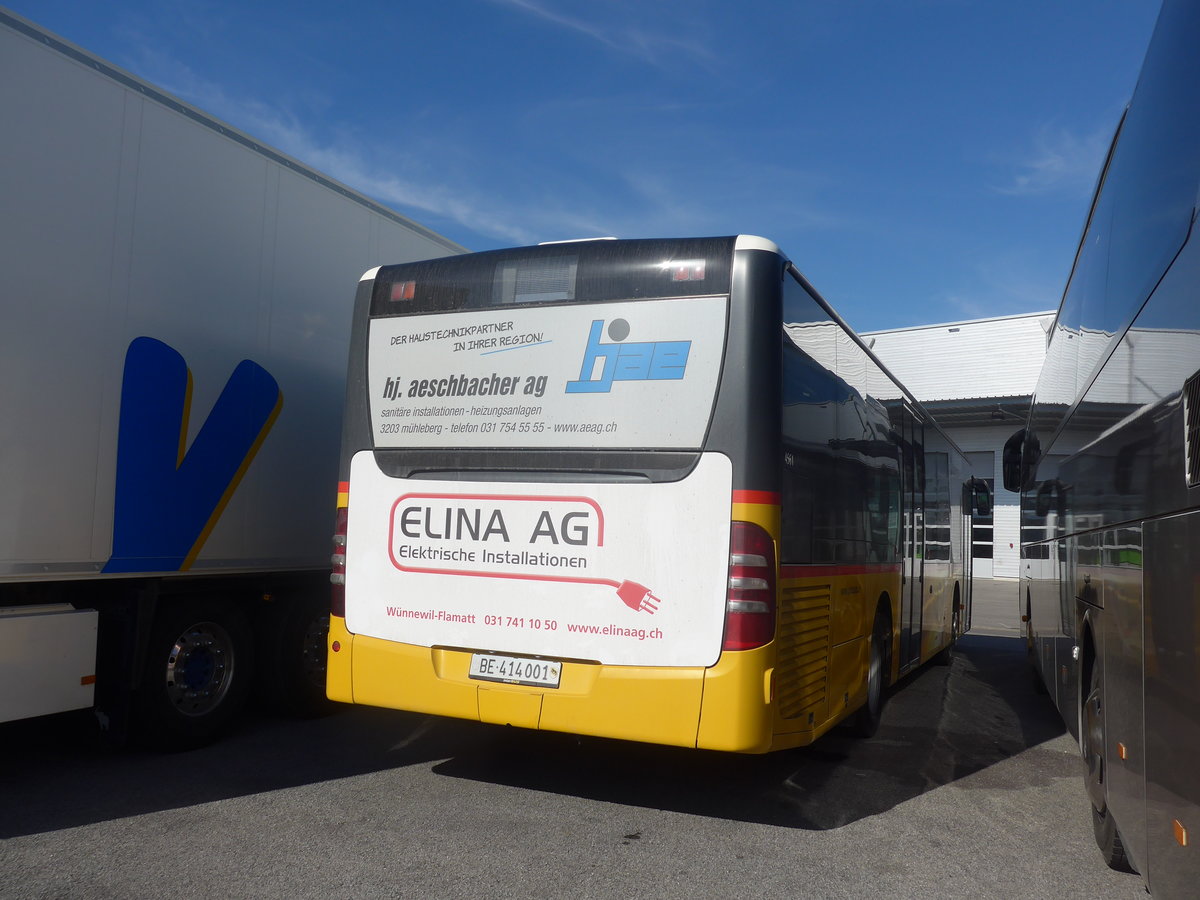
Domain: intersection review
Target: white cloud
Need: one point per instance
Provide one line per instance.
(654, 45)
(399, 182)
(1059, 161)
(1013, 281)
(447, 179)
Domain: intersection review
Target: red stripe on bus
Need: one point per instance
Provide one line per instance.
(826, 571)
(768, 497)
(343, 487)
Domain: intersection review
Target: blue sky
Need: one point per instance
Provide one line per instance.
(921, 160)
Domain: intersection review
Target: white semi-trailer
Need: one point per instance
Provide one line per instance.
(174, 328)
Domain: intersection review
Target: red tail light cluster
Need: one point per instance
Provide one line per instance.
(750, 605)
(337, 575)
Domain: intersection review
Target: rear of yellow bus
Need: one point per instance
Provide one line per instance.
(558, 504)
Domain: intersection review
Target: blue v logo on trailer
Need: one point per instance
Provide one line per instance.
(168, 500)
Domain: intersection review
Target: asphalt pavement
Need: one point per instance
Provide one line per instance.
(995, 609)
(971, 788)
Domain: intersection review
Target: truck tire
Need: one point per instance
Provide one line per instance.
(198, 674)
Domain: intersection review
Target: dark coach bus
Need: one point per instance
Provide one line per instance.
(1109, 470)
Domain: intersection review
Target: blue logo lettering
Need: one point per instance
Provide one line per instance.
(647, 361)
(167, 501)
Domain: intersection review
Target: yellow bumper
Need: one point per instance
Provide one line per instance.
(654, 705)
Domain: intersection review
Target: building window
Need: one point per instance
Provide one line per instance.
(982, 533)
(983, 467)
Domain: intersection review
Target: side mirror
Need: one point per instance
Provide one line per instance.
(1011, 466)
(983, 497)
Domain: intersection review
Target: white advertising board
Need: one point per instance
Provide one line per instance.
(598, 375)
(625, 574)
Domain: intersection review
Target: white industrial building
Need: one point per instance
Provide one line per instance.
(976, 378)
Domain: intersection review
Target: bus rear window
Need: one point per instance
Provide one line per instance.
(562, 273)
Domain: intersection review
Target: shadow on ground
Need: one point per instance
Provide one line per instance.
(940, 726)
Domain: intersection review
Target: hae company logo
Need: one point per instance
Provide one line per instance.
(626, 361)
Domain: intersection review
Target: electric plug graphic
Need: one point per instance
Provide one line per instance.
(637, 597)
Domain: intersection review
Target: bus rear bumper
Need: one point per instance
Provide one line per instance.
(652, 705)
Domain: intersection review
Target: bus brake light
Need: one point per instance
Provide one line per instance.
(685, 269)
(750, 603)
(337, 574)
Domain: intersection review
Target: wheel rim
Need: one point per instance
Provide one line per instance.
(199, 669)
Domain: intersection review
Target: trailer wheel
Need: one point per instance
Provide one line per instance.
(866, 721)
(198, 674)
(1104, 826)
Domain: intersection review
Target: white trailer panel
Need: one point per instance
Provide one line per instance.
(130, 214)
(174, 328)
(47, 660)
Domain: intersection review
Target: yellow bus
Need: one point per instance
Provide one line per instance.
(654, 490)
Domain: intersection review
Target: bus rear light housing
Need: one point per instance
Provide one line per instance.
(337, 573)
(750, 600)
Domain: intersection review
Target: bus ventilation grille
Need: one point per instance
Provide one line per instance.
(1191, 435)
(802, 680)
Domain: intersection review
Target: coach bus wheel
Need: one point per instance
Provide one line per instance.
(1039, 686)
(1104, 826)
(866, 720)
(198, 674)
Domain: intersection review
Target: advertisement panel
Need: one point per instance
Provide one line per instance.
(623, 574)
(637, 374)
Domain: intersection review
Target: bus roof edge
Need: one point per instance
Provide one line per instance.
(754, 242)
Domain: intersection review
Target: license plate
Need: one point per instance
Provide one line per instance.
(515, 670)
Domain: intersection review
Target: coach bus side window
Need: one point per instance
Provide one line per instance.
(809, 394)
(937, 505)
(1156, 172)
(883, 507)
(841, 481)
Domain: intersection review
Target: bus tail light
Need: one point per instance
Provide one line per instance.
(750, 603)
(337, 575)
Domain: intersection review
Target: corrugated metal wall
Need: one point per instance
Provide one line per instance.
(967, 360)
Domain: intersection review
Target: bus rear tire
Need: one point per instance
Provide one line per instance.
(293, 658)
(198, 674)
(866, 721)
(945, 656)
